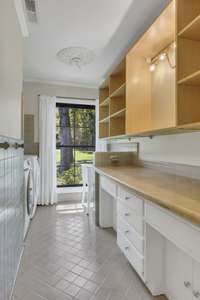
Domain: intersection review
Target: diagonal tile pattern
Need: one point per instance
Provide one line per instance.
(66, 257)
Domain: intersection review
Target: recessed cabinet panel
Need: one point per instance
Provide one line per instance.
(196, 279)
(163, 92)
(178, 273)
(138, 88)
(151, 77)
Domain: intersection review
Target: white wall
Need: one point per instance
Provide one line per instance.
(177, 148)
(31, 90)
(11, 74)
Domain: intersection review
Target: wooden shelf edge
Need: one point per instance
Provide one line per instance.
(189, 26)
(119, 113)
(115, 93)
(105, 120)
(105, 102)
(189, 77)
(184, 128)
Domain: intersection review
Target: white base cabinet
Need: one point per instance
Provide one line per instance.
(196, 280)
(178, 273)
(163, 248)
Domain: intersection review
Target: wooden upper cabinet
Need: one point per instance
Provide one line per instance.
(141, 101)
(151, 96)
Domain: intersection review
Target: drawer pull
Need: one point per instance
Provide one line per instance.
(127, 231)
(127, 214)
(127, 248)
(187, 284)
(127, 198)
(196, 294)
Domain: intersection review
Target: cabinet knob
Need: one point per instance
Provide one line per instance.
(196, 294)
(127, 198)
(187, 284)
(127, 231)
(127, 214)
(126, 248)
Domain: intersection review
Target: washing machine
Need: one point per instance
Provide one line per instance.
(28, 195)
(35, 168)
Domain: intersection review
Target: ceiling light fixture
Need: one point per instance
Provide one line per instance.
(76, 56)
(162, 56)
(153, 62)
(152, 67)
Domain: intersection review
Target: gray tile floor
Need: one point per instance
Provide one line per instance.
(67, 257)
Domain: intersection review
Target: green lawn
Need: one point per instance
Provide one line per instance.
(80, 156)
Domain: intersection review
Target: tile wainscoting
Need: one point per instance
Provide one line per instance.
(11, 212)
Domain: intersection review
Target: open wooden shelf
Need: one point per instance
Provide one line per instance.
(120, 113)
(117, 125)
(192, 30)
(105, 102)
(104, 92)
(193, 79)
(103, 130)
(117, 79)
(120, 91)
(117, 104)
(187, 12)
(105, 120)
(103, 112)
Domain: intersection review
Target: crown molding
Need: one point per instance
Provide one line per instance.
(20, 10)
(62, 83)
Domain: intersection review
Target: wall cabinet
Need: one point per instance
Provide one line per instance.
(155, 90)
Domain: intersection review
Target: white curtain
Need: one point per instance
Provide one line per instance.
(47, 140)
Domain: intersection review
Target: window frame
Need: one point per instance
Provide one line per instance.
(74, 146)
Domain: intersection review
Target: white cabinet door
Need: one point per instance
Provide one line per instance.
(196, 281)
(179, 271)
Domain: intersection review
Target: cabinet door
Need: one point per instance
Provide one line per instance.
(196, 281)
(178, 273)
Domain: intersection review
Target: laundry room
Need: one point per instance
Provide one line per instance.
(99, 150)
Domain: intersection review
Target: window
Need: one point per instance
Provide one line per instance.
(75, 141)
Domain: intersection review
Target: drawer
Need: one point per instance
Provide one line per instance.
(108, 185)
(129, 198)
(132, 236)
(131, 217)
(183, 234)
(133, 256)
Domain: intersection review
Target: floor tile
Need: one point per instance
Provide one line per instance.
(67, 257)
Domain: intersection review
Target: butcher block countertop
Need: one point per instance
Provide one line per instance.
(180, 195)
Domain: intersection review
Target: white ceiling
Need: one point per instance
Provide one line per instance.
(108, 27)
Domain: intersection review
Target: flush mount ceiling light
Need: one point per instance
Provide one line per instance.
(76, 56)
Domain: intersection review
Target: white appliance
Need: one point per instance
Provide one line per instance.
(28, 195)
(35, 168)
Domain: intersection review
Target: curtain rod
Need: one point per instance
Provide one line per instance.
(74, 98)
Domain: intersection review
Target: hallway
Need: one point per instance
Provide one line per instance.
(67, 257)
